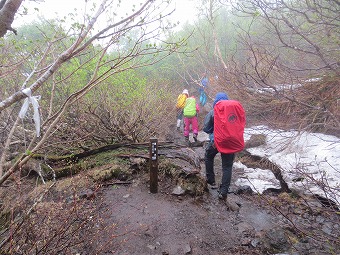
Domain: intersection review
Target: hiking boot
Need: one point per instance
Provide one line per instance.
(212, 185)
(195, 137)
(222, 196)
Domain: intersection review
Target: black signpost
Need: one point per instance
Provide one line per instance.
(153, 165)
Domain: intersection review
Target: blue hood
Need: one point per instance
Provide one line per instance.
(220, 96)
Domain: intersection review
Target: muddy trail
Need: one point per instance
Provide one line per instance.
(174, 222)
(163, 223)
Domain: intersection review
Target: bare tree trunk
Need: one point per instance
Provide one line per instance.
(8, 9)
(6, 147)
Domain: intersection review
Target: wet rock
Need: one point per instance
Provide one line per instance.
(151, 247)
(187, 249)
(327, 228)
(302, 247)
(202, 137)
(178, 191)
(255, 140)
(275, 240)
(86, 194)
(244, 190)
(137, 163)
(148, 233)
(320, 219)
(255, 242)
(232, 206)
(232, 203)
(244, 227)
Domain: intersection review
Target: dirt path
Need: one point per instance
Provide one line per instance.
(162, 223)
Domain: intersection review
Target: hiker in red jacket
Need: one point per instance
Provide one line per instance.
(225, 126)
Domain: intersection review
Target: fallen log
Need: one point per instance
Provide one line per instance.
(109, 147)
(73, 166)
(265, 163)
(117, 183)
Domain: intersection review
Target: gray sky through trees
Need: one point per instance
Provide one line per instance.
(185, 9)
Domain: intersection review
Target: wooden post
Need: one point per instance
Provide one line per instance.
(153, 165)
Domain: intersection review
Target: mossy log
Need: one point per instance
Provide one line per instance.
(72, 164)
(50, 173)
(84, 154)
(184, 155)
(76, 157)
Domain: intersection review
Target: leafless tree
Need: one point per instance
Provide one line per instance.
(147, 22)
(290, 58)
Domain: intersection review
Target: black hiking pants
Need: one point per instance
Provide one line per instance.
(227, 166)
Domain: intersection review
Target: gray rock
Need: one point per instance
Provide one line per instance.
(255, 242)
(151, 247)
(88, 194)
(275, 240)
(187, 249)
(327, 228)
(232, 203)
(244, 227)
(178, 191)
(246, 189)
(232, 206)
(255, 140)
